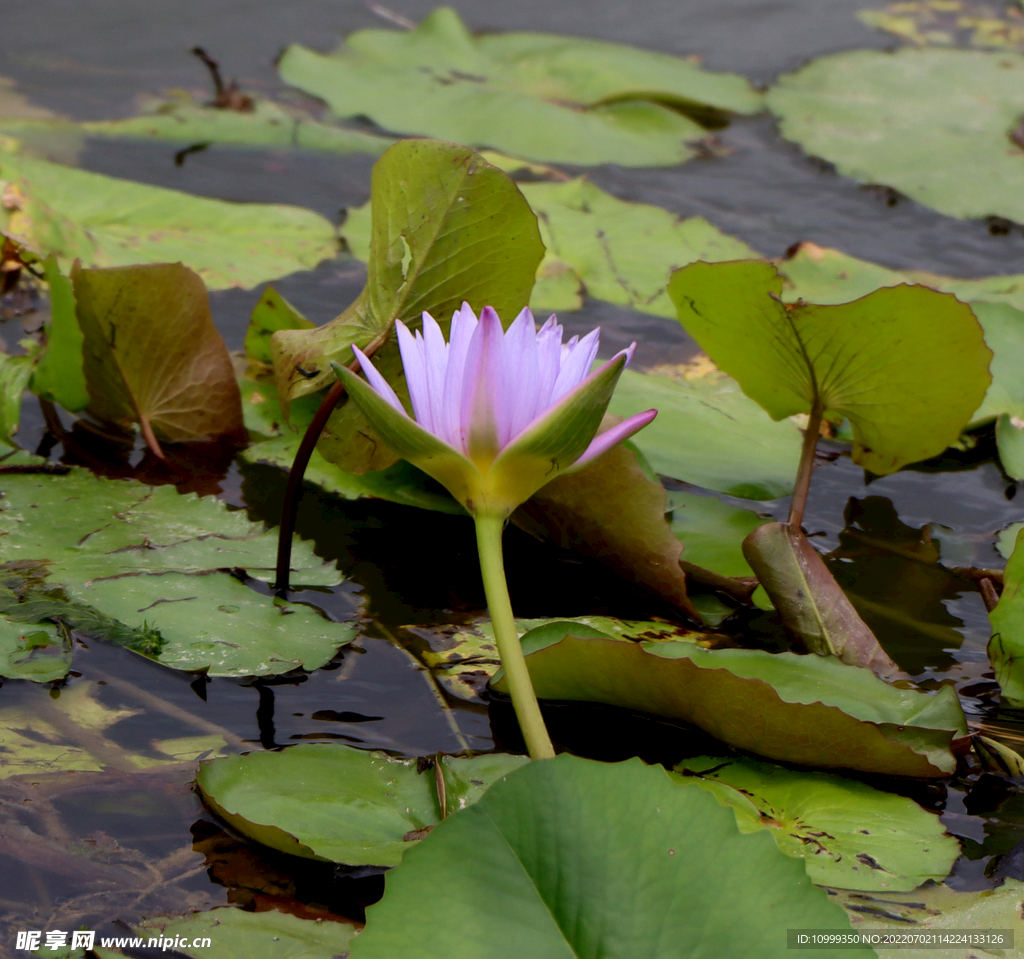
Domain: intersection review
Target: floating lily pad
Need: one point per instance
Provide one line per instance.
(236, 934)
(884, 362)
(937, 906)
(1007, 539)
(709, 434)
(619, 252)
(809, 710)
(821, 275)
(59, 376)
(33, 651)
(154, 560)
(343, 804)
(712, 531)
(15, 373)
(932, 123)
(102, 221)
(849, 835)
(570, 857)
(540, 96)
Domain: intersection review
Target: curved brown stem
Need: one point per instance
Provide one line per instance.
(803, 475)
(293, 490)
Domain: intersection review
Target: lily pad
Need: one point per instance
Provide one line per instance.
(1006, 647)
(450, 227)
(102, 221)
(849, 835)
(821, 275)
(540, 96)
(154, 560)
(809, 710)
(15, 373)
(343, 804)
(268, 124)
(710, 434)
(937, 906)
(884, 361)
(33, 651)
(236, 934)
(569, 857)
(271, 313)
(712, 532)
(932, 123)
(614, 250)
(59, 376)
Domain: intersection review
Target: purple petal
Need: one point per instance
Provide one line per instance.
(612, 437)
(377, 381)
(483, 366)
(435, 356)
(411, 348)
(519, 379)
(549, 354)
(464, 322)
(576, 366)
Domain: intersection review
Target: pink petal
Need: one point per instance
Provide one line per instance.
(612, 437)
(411, 349)
(377, 381)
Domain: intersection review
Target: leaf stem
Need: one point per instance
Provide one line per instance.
(803, 474)
(524, 699)
(293, 490)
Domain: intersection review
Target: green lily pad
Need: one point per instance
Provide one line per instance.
(821, 275)
(450, 228)
(342, 804)
(33, 651)
(271, 313)
(569, 857)
(712, 532)
(884, 362)
(809, 710)
(59, 375)
(1006, 647)
(545, 97)
(1007, 539)
(617, 251)
(708, 433)
(400, 483)
(102, 222)
(15, 373)
(268, 124)
(233, 933)
(157, 561)
(936, 906)
(932, 123)
(849, 835)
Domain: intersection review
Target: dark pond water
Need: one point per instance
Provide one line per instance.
(164, 852)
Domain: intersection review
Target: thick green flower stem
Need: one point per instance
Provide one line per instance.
(524, 699)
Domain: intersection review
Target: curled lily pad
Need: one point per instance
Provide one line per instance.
(545, 97)
(809, 710)
(569, 857)
(156, 562)
(102, 222)
(343, 804)
(933, 123)
(849, 835)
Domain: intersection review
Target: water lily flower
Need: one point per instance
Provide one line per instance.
(498, 414)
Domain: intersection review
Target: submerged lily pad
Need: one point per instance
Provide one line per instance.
(541, 96)
(1006, 647)
(102, 221)
(155, 560)
(343, 804)
(932, 123)
(849, 835)
(809, 710)
(33, 651)
(570, 857)
(237, 934)
(712, 532)
(708, 433)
